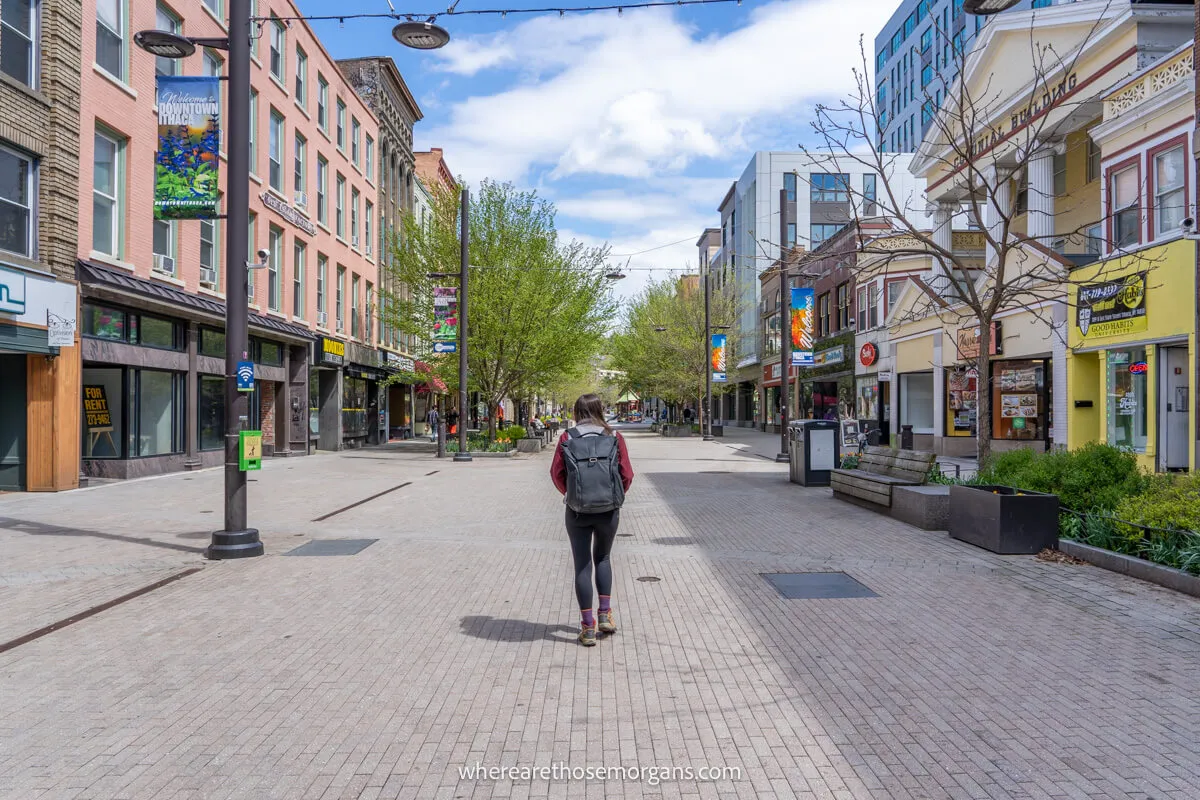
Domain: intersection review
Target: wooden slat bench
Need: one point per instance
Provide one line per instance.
(879, 469)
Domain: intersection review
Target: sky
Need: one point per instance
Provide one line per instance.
(634, 125)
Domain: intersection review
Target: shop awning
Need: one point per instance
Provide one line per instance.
(432, 381)
(91, 274)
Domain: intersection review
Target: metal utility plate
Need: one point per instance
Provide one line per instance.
(332, 547)
(817, 585)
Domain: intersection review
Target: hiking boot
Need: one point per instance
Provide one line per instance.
(587, 636)
(606, 622)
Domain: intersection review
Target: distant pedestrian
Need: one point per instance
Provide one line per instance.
(432, 419)
(452, 421)
(687, 416)
(591, 468)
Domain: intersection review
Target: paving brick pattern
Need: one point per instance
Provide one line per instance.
(450, 641)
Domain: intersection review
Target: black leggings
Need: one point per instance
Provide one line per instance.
(592, 538)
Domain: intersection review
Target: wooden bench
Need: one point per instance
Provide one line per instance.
(880, 469)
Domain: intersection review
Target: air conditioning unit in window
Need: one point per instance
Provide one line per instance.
(208, 276)
(354, 241)
(302, 199)
(164, 264)
(322, 319)
(369, 251)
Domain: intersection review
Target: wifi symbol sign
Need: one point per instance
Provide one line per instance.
(245, 376)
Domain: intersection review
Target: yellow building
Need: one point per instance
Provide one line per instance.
(1033, 177)
(1132, 359)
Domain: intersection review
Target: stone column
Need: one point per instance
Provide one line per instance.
(996, 206)
(283, 407)
(939, 394)
(943, 237)
(1040, 193)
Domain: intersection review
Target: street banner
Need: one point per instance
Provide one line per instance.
(718, 358)
(803, 302)
(1112, 307)
(189, 143)
(445, 313)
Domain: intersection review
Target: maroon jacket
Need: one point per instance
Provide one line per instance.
(558, 467)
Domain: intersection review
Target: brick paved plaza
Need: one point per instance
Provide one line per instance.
(450, 642)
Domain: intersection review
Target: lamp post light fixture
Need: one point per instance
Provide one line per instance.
(984, 7)
(421, 35)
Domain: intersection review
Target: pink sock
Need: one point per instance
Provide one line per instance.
(605, 602)
(589, 620)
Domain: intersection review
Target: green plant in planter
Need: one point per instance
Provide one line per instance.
(1093, 477)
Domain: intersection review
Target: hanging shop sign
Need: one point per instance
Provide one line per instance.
(60, 330)
(399, 362)
(803, 302)
(717, 358)
(968, 341)
(445, 314)
(833, 355)
(868, 354)
(332, 352)
(281, 207)
(189, 143)
(1112, 308)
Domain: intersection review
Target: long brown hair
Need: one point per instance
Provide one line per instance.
(590, 408)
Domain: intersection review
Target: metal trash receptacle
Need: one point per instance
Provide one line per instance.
(814, 450)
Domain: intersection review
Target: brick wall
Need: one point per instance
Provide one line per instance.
(44, 121)
(267, 415)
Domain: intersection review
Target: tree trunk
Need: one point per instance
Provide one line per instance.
(983, 394)
(491, 409)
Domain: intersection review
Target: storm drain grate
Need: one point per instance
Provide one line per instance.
(332, 547)
(817, 585)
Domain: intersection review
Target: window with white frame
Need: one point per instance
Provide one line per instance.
(164, 246)
(213, 66)
(322, 190)
(252, 143)
(214, 6)
(275, 245)
(1123, 199)
(368, 212)
(208, 252)
(369, 158)
(354, 216)
(340, 212)
(322, 277)
(341, 125)
(370, 313)
(1170, 201)
(298, 279)
(1093, 160)
(18, 33)
(301, 78)
(278, 48)
(301, 183)
(340, 298)
(354, 129)
(107, 194)
(18, 223)
(110, 37)
(275, 151)
(354, 323)
(894, 290)
(863, 308)
(322, 102)
(164, 20)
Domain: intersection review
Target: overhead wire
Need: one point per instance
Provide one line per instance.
(453, 11)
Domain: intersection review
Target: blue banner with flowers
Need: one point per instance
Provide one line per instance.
(189, 142)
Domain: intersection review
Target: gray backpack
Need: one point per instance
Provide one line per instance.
(593, 473)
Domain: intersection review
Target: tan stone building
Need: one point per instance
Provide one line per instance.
(39, 173)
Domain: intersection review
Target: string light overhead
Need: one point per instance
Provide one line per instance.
(453, 11)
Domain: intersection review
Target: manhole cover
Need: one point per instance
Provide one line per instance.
(649, 579)
(817, 585)
(332, 547)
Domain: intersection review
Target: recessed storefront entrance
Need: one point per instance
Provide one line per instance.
(13, 432)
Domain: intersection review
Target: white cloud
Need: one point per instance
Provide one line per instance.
(645, 94)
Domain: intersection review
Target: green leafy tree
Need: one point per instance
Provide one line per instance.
(538, 307)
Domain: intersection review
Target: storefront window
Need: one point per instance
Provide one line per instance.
(867, 398)
(212, 343)
(825, 400)
(103, 323)
(157, 332)
(1019, 404)
(160, 412)
(103, 390)
(269, 353)
(916, 401)
(354, 407)
(1128, 415)
(211, 411)
(962, 414)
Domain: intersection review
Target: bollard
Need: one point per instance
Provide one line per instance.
(906, 437)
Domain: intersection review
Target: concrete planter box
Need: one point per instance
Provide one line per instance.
(530, 445)
(1134, 567)
(718, 430)
(677, 430)
(1003, 520)
(477, 454)
(924, 507)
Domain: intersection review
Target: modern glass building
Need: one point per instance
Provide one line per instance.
(915, 57)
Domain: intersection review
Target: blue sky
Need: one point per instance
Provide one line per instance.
(633, 125)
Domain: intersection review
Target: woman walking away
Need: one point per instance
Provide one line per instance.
(591, 469)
